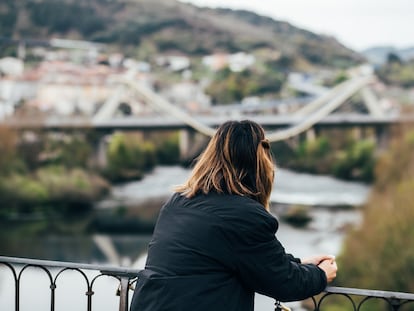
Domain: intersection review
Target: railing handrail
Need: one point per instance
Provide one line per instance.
(107, 269)
(369, 292)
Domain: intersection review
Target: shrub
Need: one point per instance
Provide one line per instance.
(314, 156)
(129, 157)
(356, 162)
(380, 253)
(297, 215)
(68, 150)
(167, 149)
(8, 150)
(50, 190)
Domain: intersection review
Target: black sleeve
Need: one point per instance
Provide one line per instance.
(263, 265)
(293, 258)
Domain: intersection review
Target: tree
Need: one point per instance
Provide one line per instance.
(380, 253)
(8, 149)
(129, 157)
(393, 58)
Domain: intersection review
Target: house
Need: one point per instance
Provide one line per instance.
(236, 62)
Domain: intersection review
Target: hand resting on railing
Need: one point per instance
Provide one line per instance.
(326, 262)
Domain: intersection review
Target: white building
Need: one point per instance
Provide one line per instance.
(236, 62)
(11, 93)
(10, 66)
(174, 62)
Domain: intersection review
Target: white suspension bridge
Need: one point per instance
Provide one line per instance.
(300, 121)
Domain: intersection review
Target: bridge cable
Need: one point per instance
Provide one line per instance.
(338, 95)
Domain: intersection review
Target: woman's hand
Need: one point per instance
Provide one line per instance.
(316, 260)
(330, 268)
(326, 262)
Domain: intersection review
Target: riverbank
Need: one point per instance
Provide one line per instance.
(50, 192)
(133, 207)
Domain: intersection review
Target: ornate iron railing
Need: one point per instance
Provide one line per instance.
(356, 299)
(54, 269)
(353, 297)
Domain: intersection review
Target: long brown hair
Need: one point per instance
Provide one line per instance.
(237, 160)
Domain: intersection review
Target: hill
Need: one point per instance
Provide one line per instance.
(379, 54)
(146, 27)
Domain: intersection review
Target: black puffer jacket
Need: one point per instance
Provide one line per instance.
(213, 252)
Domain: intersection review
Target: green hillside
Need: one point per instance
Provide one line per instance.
(168, 26)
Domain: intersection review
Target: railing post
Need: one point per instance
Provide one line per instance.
(17, 295)
(395, 304)
(52, 296)
(123, 293)
(89, 294)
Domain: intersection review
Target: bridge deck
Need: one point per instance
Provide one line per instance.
(170, 123)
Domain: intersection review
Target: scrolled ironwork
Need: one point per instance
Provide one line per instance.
(54, 270)
(358, 298)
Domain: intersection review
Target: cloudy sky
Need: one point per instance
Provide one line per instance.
(358, 24)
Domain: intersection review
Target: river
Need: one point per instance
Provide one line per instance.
(290, 188)
(324, 233)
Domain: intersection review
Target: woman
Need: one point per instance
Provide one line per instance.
(214, 243)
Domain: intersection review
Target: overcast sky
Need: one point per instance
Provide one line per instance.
(358, 24)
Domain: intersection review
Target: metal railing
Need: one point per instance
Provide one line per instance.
(354, 298)
(54, 269)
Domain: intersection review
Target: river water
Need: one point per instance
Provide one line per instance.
(290, 188)
(324, 233)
